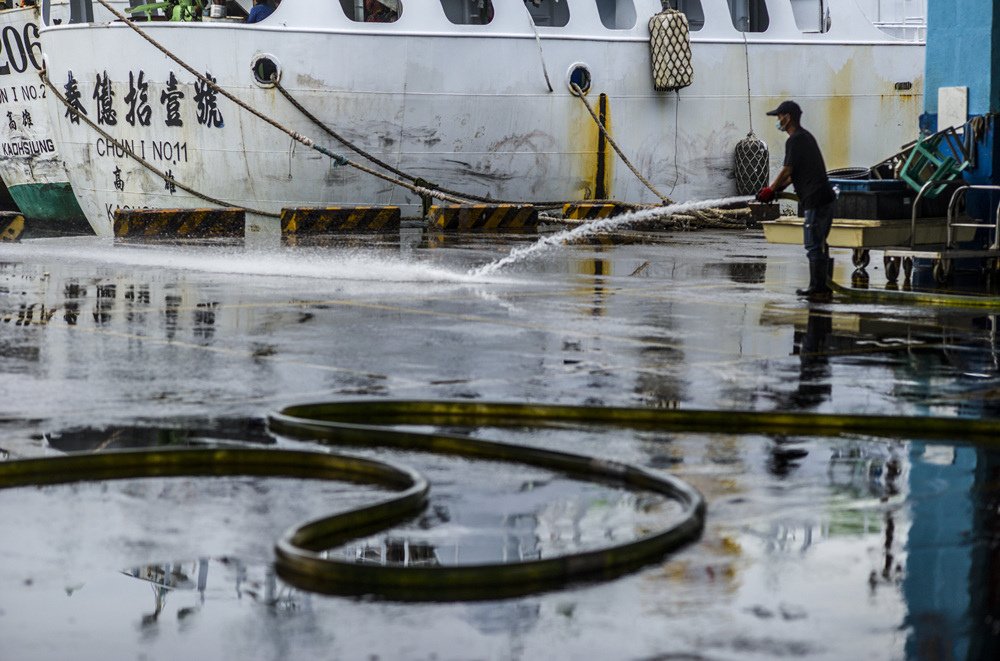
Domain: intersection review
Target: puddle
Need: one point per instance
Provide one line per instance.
(816, 548)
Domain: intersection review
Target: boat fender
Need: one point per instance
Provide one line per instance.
(751, 165)
(670, 51)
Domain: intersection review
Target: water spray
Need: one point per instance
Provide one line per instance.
(599, 227)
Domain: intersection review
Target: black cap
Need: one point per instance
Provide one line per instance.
(787, 108)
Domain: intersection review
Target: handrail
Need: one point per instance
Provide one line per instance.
(951, 208)
(913, 213)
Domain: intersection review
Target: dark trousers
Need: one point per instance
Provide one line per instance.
(816, 229)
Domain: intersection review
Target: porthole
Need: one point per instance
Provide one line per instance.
(578, 75)
(266, 70)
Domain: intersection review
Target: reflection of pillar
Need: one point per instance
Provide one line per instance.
(936, 587)
(270, 585)
(202, 577)
(984, 579)
(597, 268)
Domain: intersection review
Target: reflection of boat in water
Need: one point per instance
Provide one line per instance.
(466, 95)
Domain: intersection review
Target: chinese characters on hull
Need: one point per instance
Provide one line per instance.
(139, 112)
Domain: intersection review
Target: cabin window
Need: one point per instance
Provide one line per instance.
(372, 11)
(749, 15)
(617, 14)
(468, 12)
(690, 8)
(811, 15)
(550, 13)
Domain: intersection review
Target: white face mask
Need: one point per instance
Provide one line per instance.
(778, 125)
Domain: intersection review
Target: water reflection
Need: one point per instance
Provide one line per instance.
(541, 519)
(952, 357)
(119, 437)
(814, 364)
(258, 583)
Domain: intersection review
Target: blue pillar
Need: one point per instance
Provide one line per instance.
(962, 51)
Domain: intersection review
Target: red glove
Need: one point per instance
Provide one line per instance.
(765, 194)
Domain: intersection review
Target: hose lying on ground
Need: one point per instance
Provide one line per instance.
(301, 557)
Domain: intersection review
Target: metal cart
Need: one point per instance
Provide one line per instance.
(943, 256)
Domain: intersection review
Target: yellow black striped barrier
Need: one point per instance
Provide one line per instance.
(592, 211)
(484, 217)
(11, 226)
(180, 223)
(327, 220)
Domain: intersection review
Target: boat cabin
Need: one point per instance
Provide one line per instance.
(905, 19)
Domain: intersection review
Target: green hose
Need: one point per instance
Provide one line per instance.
(365, 423)
(915, 297)
(302, 563)
(301, 552)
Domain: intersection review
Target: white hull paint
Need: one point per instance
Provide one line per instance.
(27, 146)
(30, 164)
(465, 107)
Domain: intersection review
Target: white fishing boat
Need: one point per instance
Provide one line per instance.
(30, 166)
(469, 95)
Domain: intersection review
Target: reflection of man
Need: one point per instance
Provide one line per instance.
(814, 387)
(814, 364)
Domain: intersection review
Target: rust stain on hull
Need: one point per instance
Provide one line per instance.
(595, 155)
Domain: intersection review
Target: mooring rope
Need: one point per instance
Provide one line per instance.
(308, 142)
(301, 552)
(746, 57)
(604, 131)
(400, 173)
(538, 41)
(422, 191)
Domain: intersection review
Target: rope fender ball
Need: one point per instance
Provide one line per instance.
(751, 164)
(670, 51)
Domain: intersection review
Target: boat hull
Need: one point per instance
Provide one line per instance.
(30, 166)
(498, 132)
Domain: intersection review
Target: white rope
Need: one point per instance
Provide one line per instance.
(538, 40)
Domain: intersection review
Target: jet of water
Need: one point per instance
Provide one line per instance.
(598, 227)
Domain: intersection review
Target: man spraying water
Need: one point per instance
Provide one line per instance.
(805, 170)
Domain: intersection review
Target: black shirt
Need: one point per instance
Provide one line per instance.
(809, 178)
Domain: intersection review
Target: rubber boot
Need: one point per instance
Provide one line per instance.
(818, 280)
(821, 287)
(812, 281)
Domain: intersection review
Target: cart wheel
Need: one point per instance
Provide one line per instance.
(941, 269)
(991, 273)
(892, 268)
(907, 267)
(991, 279)
(860, 257)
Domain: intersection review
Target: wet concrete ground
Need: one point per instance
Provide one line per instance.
(816, 548)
